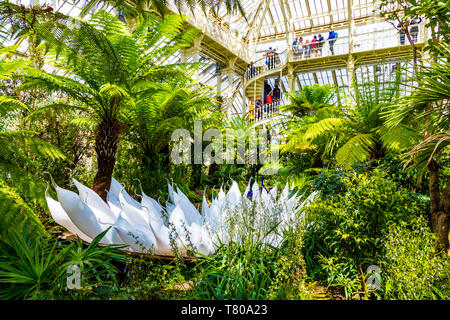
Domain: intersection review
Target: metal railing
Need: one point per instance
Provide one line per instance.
(266, 64)
(366, 41)
(263, 112)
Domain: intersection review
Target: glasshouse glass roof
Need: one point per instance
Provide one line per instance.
(277, 16)
(231, 40)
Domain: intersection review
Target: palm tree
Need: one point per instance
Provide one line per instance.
(307, 107)
(426, 112)
(354, 132)
(105, 68)
(308, 100)
(153, 118)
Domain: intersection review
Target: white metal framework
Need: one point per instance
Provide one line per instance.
(229, 42)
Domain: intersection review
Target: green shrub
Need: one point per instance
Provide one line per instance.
(329, 183)
(412, 269)
(34, 267)
(345, 231)
(249, 271)
(290, 280)
(147, 278)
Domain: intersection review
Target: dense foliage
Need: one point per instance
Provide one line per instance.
(95, 98)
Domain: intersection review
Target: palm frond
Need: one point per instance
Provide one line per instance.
(324, 126)
(421, 155)
(356, 149)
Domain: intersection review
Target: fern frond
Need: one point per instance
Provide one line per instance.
(15, 212)
(323, 126)
(9, 104)
(356, 149)
(399, 137)
(28, 140)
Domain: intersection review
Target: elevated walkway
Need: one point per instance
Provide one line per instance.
(369, 48)
(218, 42)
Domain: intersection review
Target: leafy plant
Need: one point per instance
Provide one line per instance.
(106, 68)
(345, 231)
(412, 269)
(425, 111)
(34, 267)
(18, 178)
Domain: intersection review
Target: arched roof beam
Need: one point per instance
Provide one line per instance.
(252, 24)
(261, 21)
(286, 22)
(288, 9)
(308, 8)
(271, 19)
(329, 11)
(300, 88)
(255, 8)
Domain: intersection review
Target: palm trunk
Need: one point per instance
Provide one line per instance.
(106, 144)
(439, 206)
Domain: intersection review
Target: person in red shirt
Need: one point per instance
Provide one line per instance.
(314, 46)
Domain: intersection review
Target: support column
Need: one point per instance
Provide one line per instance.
(184, 55)
(229, 71)
(287, 26)
(244, 99)
(290, 77)
(424, 35)
(351, 80)
(350, 59)
(193, 52)
(219, 84)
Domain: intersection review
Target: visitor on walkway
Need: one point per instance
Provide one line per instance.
(300, 47)
(332, 36)
(251, 111)
(294, 46)
(314, 46)
(271, 57)
(276, 57)
(252, 69)
(415, 28)
(268, 105)
(268, 57)
(320, 45)
(307, 49)
(401, 27)
(259, 103)
(269, 98)
(276, 93)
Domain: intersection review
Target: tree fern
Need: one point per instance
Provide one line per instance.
(15, 212)
(103, 64)
(139, 8)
